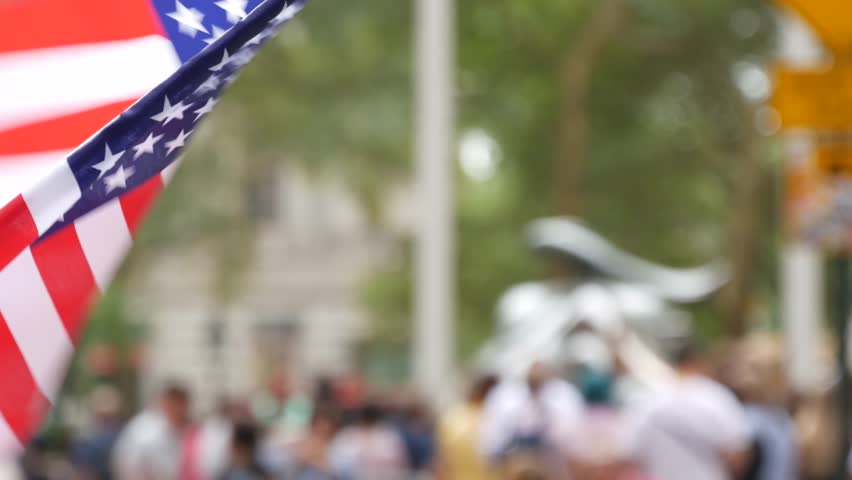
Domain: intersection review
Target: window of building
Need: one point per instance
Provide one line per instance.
(277, 343)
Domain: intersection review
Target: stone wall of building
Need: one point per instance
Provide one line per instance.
(298, 303)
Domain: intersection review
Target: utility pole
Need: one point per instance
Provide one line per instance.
(434, 337)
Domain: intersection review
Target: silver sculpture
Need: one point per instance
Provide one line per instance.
(617, 302)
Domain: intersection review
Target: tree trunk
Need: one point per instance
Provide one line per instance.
(576, 71)
(744, 236)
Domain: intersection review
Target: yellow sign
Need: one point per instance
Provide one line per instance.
(835, 159)
(820, 100)
(832, 20)
(819, 191)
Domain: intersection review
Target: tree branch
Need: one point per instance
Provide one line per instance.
(576, 71)
(744, 238)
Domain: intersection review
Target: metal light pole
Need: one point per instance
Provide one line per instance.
(802, 288)
(434, 337)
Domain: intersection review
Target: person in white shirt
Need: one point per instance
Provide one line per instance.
(214, 438)
(692, 428)
(369, 449)
(150, 446)
(534, 417)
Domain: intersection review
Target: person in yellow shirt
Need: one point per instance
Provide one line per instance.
(459, 455)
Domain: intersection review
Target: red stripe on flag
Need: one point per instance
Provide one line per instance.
(17, 230)
(31, 24)
(21, 402)
(65, 132)
(66, 274)
(136, 203)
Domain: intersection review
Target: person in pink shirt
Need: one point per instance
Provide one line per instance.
(600, 449)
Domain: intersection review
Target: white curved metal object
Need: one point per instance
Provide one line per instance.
(568, 238)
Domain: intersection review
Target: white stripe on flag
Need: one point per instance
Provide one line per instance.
(52, 196)
(169, 172)
(105, 240)
(10, 447)
(49, 82)
(34, 322)
(19, 173)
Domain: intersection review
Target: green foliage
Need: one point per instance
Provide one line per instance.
(669, 131)
(388, 296)
(111, 322)
(334, 93)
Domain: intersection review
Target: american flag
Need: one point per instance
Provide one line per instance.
(69, 218)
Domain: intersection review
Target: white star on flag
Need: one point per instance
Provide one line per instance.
(170, 112)
(207, 108)
(217, 33)
(119, 178)
(147, 146)
(235, 9)
(219, 66)
(242, 57)
(286, 14)
(178, 142)
(231, 79)
(189, 19)
(212, 83)
(109, 161)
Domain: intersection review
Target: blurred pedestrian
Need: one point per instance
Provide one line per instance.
(243, 459)
(214, 437)
(311, 455)
(323, 394)
(415, 426)
(282, 406)
(459, 455)
(34, 461)
(369, 450)
(350, 394)
(151, 446)
(91, 451)
(600, 447)
(693, 427)
(529, 423)
(754, 370)
(285, 411)
(10, 469)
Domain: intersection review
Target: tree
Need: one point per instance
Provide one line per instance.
(641, 94)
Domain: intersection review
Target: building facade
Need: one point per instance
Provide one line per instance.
(298, 304)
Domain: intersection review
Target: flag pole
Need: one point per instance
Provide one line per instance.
(433, 338)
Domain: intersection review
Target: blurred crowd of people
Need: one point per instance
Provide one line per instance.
(729, 420)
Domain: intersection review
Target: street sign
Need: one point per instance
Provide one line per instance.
(832, 20)
(819, 198)
(814, 99)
